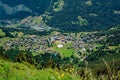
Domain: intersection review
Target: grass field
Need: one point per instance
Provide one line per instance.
(1, 33)
(64, 51)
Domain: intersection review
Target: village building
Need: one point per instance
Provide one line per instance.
(60, 46)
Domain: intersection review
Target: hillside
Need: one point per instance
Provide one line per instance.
(66, 15)
(86, 15)
(20, 9)
(25, 71)
(59, 40)
(96, 54)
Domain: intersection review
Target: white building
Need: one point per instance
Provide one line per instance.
(60, 46)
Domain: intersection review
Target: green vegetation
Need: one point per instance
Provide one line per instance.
(58, 6)
(18, 71)
(63, 14)
(82, 22)
(88, 3)
(84, 55)
(93, 15)
(3, 40)
(2, 34)
(65, 51)
(80, 46)
(37, 20)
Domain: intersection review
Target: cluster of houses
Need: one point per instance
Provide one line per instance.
(60, 40)
(39, 44)
(33, 43)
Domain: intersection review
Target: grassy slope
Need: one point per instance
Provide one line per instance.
(2, 33)
(20, 71)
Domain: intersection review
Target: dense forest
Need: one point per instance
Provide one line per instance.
(86, 15)
(69, 15)
(38, 7)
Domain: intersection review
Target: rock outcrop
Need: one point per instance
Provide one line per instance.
(12, 10)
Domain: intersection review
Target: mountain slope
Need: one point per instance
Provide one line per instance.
(81, 15)
(66, 15)
(29, 7)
